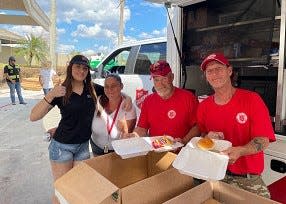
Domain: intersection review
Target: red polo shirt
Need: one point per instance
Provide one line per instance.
(244, 117)
(174, 116)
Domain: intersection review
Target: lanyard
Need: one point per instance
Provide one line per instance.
(108, 127)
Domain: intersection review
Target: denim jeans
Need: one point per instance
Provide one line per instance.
(17, 87)
(60, 152)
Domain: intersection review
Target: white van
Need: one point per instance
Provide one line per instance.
(132, 62)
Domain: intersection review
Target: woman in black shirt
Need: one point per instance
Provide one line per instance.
(76, 99)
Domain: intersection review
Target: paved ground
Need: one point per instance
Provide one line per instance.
(25, 175)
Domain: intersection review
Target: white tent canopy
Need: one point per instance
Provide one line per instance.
(35, 15)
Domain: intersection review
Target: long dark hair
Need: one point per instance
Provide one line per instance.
(68, 84)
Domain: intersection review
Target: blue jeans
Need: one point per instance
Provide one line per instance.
(17, 87)
(46, 90)
(60, 152)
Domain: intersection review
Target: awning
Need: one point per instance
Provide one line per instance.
(8, 37)
(35, 15)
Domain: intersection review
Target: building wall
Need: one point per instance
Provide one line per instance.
(6, 52)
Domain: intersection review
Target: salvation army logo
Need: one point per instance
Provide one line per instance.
(241, 118)
(141, 94)
(171, 114)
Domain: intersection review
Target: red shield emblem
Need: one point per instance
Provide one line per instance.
(140, 97)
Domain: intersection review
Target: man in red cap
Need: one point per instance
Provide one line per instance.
(239, 116)
(170, 110)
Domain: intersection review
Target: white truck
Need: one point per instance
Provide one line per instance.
(132, 61)
(251, 33)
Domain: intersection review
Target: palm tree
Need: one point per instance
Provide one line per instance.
(33, 47)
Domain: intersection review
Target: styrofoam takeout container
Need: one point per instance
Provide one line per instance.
(138, 146)
(220, 145)
(131, 147)
(202, 164)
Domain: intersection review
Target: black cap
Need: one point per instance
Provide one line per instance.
(12, 58)
(80, 59)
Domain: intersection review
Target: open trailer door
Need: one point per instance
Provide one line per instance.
(174, 37)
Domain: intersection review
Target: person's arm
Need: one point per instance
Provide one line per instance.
(6, 75)
(52, 131)
(139, 131)
(131, 125)
(194, 132)
(44, 105)
(126, 126)
(257, 144)
(41, 108)
(127, 103)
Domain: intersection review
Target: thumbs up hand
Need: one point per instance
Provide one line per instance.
(59, 90)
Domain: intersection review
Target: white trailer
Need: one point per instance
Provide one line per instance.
(251, 33)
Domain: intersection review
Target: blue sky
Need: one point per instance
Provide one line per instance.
(91, 26)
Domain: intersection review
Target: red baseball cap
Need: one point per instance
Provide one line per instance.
(160, 68)
(219, 57)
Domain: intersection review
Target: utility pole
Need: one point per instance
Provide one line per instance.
(53, 34)
(121, 22)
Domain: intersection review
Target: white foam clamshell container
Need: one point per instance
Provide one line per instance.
(138, 146)
(202, 164)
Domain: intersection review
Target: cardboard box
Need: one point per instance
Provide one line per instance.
(110, 179)
(220, 192)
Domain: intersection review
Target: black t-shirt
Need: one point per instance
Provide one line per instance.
(77, 115)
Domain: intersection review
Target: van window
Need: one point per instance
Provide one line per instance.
(117, 62)
(148, 54)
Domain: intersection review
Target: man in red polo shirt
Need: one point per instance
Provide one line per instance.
(168, 111)
(241, 117)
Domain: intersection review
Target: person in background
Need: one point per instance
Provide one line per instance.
(12, 74)
(170, 110)
(111, 121)
(46, 77)
(239, 116)
(76, 99)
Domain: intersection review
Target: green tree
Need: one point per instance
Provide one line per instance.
(33, 47)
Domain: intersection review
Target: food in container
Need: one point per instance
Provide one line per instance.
(162, 142)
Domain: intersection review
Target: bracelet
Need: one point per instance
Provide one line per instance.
(47, 101)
